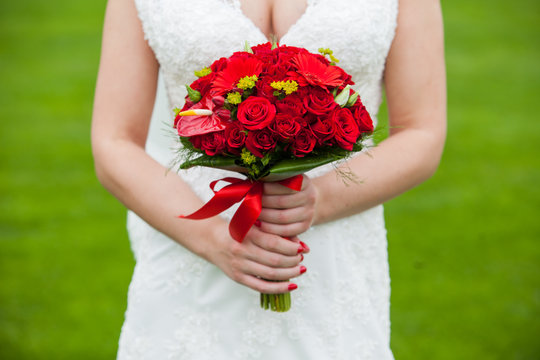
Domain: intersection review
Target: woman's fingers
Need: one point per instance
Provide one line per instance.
(268, 287)
(286, 216)
(274, 243)
(284, 201)
(263, 270)
(286, 212)
(275, 188)
(262, 261)
(272, 259)
(285, 229)
(272, 273)
(286, 222)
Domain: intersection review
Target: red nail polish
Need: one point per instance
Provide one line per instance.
(302, 269)
(300, 249)
(293, 287)
(257, 223)
(304, 245)
(301, 257)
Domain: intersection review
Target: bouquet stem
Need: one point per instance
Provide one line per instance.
(276, 302)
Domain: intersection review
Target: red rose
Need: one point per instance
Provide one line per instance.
(362, 117)
(265, 53)
(236, 137)
(196, 141)
(292, 105)
(218, 65)
(303, 143)
(286, 127)
(303, 91)
(260, 142)
(319, 102)
(324, 129)
(256, 113)
(291, 50)
(265, 90)
(262, 49)
(241, 55)
(280, 65)
(347, 131)
(213, 143)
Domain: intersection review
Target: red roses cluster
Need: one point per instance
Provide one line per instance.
(272, 99)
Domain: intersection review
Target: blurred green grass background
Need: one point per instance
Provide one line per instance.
(464, 253)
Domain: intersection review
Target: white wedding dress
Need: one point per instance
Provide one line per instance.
(182, 307)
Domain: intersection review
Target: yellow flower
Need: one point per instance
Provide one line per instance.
(247, 157)
(234, 98)
(288, 86)
(330, 53)
(247, 82)
(203, 72)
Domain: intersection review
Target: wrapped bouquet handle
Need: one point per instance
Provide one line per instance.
(246, 191)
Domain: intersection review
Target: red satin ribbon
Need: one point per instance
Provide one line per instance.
(250, 208)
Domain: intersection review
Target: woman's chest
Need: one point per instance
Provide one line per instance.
(273, 17)
(189, 34)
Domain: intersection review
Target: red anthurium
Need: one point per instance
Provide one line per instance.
(204, 124)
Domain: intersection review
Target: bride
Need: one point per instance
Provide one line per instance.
(194, 292)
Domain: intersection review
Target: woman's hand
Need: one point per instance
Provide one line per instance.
(260, 260)
(287, 212)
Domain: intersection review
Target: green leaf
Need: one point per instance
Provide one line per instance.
(247, 48)
(193, 94)
(352, 99)
(281, 170)
(342, 98)
(290, 167)
(266, 159)
(217, 162)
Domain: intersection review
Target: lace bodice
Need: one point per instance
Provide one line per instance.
(181, 307)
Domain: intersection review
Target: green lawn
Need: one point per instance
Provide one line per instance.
(465, 262)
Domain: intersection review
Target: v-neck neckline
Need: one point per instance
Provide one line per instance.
(247, 19)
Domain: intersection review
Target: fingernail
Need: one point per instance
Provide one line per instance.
(302, 269)
(300, 249)
(304, 245)
(257, 223)
(293, 287)
(301, 257)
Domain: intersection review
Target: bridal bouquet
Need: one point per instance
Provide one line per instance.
(271, 113)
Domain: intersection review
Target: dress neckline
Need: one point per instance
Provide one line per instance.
(238, 7)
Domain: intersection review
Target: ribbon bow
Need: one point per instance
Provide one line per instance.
(250, 209)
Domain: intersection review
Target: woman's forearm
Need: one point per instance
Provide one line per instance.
(156, 195)
(404, 160)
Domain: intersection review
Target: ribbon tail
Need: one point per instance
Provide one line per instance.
(293, 183)
(222, 200)
(247, 213)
